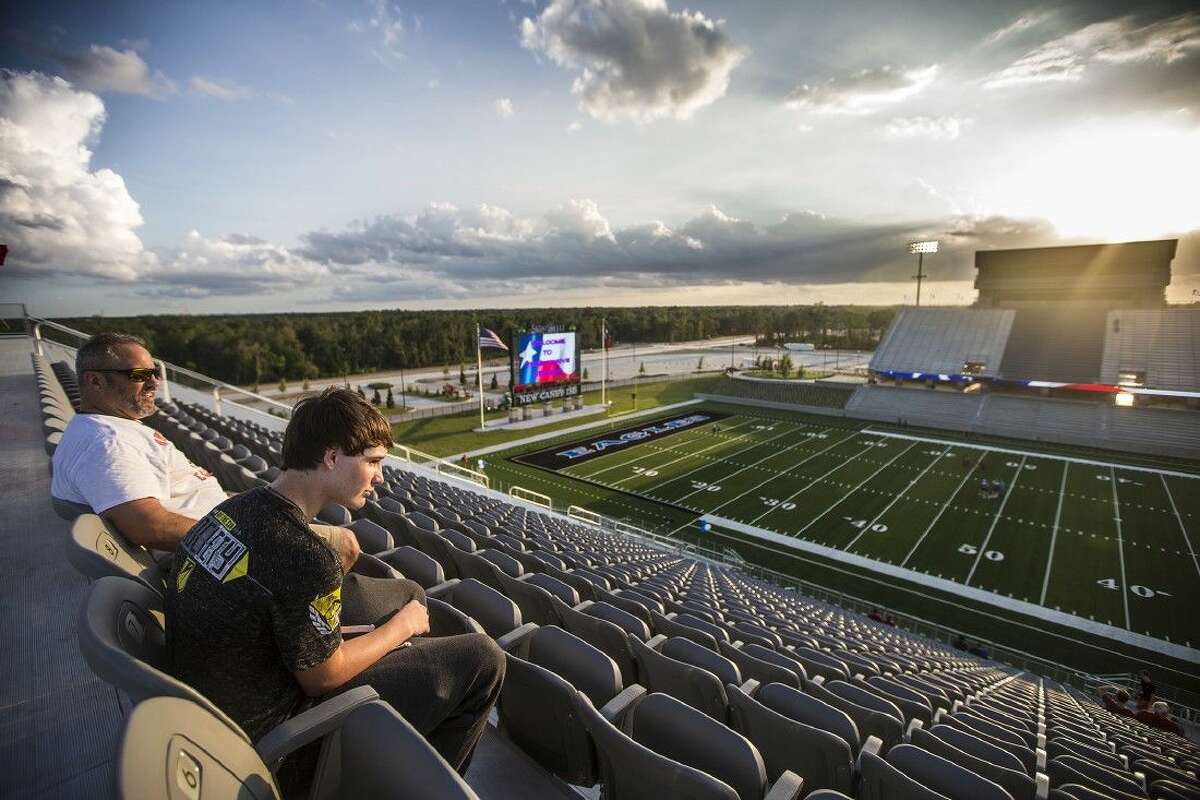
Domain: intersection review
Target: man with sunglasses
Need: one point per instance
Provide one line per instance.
(126, 471)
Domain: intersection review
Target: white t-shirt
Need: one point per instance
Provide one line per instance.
(104, 461)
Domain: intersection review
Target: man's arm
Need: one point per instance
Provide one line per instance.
(342, 541)
(355, 655)
(147, 523)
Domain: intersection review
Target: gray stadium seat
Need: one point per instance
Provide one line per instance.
(378, 754)
(824, 760)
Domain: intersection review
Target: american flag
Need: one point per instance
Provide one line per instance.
(488, 338)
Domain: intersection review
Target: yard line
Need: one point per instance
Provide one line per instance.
(1120, 544)
(855, 489)
(660, 450)
(724, 478)
(1182, 527)
(817, 480)
(786, 471)
(681, 458)
(995, 521)
(911, 484)
(651, 489)
(1062, 491)
(942, 510)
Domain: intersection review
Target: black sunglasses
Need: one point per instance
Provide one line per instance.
(136, 375)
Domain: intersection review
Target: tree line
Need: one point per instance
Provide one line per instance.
(257, 348)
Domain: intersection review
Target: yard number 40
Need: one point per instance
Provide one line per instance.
(1140, 591)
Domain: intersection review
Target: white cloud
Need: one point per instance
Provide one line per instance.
(580, 218)
(384, 22)
(943, 128)
(863, 92)
(102, 69)
(55, 213)
(221, 90)
(503, 106)
(61, 218)
(637, 59)
(1023, 23)
(1115, 41)
(575, 126)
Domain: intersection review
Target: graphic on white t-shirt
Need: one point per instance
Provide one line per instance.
(105, 461)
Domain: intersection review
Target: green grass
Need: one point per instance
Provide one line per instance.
(451, 434)
(1061, 537)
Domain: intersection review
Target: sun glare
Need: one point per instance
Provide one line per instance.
(1110, 182)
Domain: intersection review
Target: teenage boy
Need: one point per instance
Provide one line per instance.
(254, 608)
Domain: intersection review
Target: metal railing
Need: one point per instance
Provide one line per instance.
(531, 496)
(440, 465)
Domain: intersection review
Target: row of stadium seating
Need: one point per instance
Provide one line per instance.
(1079, 345)
(1162, 343)
(943, 339)
(788, 392)
(1144, 430)
(649, 673)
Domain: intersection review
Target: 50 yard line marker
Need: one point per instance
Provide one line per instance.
(1062, 491)
(995, 521)
(945, 505)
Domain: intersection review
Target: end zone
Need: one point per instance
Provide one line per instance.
(565, 455)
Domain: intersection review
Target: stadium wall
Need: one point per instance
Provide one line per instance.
(1094, 425)
(747, 401)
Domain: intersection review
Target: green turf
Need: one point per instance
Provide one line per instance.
(455, 433)
(1102, 542)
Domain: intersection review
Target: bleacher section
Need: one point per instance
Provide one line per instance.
(635, 668)
(1163, 345)
(791, 393)
(944, 339)
(1060, 344)
(1141, 430)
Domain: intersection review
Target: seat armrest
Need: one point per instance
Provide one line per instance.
(310, 725)
(872, 745)
(516, 637)
(787, 787)
(1140, 777)
(819, 680)
(1043, 785)
(1041, 759)
(913, 725)
(585, 605)
(750, 686)
(442, 588)
(656, 641)
(614, 710)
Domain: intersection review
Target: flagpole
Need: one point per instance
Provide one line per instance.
(479, 373)
(603, 360)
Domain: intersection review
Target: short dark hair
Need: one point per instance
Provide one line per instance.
(99, 351)
(336, 418)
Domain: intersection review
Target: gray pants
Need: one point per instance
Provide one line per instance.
(444, 686)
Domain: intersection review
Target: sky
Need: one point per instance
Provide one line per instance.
(178, 157)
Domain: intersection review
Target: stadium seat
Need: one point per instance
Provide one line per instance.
(96, 549)
(679, 732)
(824, 760)
(537, 702)
(414, 565)
(631, 771)
(372, 538)
(696, 686)
(495, 613)
(377, 754)
(869, 721)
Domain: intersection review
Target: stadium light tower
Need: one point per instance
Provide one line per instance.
(920, 249)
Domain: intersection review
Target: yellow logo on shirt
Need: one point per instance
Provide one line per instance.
(185, 572)
(326, 611)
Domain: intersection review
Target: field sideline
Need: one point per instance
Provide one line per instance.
(1102, 540)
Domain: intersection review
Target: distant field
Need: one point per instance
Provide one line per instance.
(451, 434)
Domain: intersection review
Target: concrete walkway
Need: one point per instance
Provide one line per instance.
(58, 722)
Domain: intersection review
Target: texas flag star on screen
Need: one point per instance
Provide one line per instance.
(547, 358)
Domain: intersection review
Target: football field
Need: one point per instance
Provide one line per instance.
(1095, 538)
